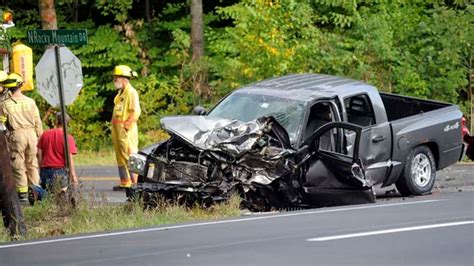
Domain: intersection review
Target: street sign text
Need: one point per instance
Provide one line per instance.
(66, 37)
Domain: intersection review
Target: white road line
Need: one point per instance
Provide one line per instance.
(212, 223)
(390, 231)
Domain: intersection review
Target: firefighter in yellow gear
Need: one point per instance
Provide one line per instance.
(21, 116)
(124, 124)
(3, 92)
(3, 95)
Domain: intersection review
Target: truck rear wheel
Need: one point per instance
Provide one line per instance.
(419, 174)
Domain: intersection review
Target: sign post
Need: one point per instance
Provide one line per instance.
(63, 108)
(50, 80)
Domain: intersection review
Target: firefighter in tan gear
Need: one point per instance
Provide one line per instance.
(21, 117)
(124, 124)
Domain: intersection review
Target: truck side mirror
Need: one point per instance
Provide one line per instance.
(199, 110)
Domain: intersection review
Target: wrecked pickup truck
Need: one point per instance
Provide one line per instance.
(301, 140)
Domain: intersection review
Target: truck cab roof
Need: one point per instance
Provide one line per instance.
(308, 87)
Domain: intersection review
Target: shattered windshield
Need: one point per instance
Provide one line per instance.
(246, 107)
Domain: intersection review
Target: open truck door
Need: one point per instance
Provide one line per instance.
(335, 172)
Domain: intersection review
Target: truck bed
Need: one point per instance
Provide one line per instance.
(416, 122)
(398, 107)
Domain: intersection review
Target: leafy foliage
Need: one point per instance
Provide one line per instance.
(267, 38)
(419, 48)
(118, 8)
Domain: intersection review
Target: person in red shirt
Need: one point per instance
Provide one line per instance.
(51, 153)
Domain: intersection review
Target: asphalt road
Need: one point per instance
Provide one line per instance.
(433, 230)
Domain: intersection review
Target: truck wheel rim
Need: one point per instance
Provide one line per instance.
(421, 170)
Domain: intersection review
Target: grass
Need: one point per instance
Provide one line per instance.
(102, 157)
(49, 219)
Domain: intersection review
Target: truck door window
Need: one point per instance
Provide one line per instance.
(349, 139)
(359, 110)
(320, 114)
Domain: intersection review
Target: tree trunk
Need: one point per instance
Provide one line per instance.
(199, 77)
(147, 11)
(76, 11)
(197, 31)
(48, 14)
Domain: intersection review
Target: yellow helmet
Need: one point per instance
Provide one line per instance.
(13, 80)
(3, 76)
(124, 71)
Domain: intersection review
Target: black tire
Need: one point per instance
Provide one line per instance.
(419, 174)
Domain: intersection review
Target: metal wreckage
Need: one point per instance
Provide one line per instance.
(208, 159)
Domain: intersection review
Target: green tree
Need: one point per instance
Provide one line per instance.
(419, 48)
(266, 39)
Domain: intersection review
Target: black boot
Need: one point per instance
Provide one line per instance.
(23, 196)
(32, 196)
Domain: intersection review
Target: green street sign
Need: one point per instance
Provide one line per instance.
(66, 37)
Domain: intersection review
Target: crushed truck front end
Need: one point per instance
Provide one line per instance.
(206, 160)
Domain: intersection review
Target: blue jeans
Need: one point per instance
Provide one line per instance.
(51, 177)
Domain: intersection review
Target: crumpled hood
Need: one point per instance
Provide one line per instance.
(231, 136)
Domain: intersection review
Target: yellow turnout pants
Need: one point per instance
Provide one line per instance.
(24, 162)
(125, 143)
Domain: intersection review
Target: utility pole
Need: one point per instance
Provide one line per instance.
(9, 202)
